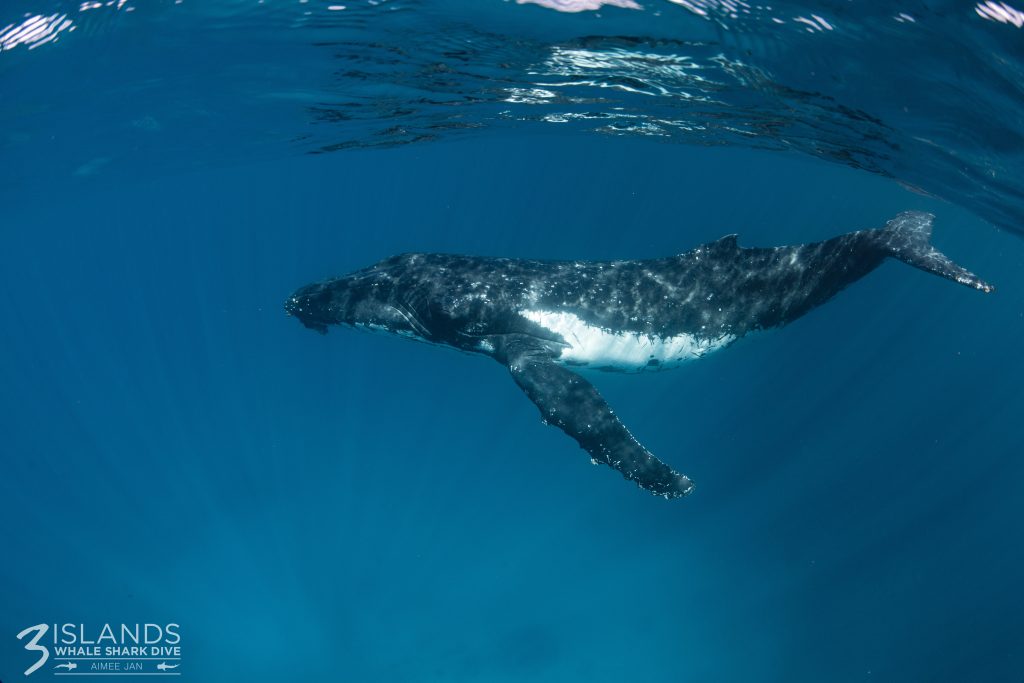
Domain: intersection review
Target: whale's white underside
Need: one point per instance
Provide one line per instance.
(624, 351)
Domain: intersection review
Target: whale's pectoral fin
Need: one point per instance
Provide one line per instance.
(572, 404)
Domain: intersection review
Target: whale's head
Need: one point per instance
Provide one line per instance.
(312, 305)
(366, 299)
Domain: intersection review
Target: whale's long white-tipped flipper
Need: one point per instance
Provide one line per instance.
(572, 404)
(907, 237)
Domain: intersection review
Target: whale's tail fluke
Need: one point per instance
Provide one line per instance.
(907, 237)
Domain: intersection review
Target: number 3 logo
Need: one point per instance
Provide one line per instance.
(34, 646)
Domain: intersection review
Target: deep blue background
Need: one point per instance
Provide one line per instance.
(360, 508)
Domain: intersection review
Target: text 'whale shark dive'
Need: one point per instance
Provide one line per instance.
(541, 319)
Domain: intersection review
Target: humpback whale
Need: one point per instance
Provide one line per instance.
(544, 320)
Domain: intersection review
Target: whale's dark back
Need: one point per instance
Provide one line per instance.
(718, 289)
(714, 290)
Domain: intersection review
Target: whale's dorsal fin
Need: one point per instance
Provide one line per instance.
(722, 245)
(572, 404)
(729, 242)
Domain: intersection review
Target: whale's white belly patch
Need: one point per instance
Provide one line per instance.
(625, 351)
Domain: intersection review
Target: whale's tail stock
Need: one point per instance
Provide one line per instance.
(907, 237)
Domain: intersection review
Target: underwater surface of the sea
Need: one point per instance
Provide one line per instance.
(175, 450)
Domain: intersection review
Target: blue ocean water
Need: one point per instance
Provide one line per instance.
(354, 507)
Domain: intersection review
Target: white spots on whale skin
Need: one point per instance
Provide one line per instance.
(625, 351)
(485, 346)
